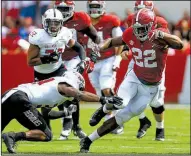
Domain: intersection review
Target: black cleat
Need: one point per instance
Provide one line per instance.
(9, 140)
(159, 134)
(85, 145)
(145, 123)
(97, 116)
(79, 132)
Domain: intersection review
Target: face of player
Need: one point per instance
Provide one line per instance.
(53, 26)
(141, 31)
(67, 11)
(95, 10)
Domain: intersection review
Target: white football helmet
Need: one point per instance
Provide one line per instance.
(66, 7)
(96, 8)
(74, 79)
(52, 22)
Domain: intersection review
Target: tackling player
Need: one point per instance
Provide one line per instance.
(26, 98)
(159, 117)
(149, 46)
(103, 76)
(47, 46)
(78, 23)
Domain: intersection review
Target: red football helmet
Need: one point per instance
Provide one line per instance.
(144, 21)
(66, 7)
(143, 4)
(96, 8)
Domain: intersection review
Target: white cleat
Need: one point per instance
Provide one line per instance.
(64, 135)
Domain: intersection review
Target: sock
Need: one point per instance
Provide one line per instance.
(160, 125)
(142, 115)
(94, 136)
(20, 136)
(105, 109)
(76, 115)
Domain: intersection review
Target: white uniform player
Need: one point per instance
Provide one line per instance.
(20, 103)
(48, 45)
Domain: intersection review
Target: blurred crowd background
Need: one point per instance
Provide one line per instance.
(19, 18)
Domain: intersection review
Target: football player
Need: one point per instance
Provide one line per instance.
(149, 46)
(103, 76)
(26, 98)
(78, 23)
(159, 116)
(47, 46)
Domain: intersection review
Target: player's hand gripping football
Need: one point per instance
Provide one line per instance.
(156, 34)
(114, 100)
(52, 58)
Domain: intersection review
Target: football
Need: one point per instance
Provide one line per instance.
(160, 43)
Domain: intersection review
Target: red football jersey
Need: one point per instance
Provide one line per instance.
(149, 61)
(104, 28)
(79, 21)
(161, 22)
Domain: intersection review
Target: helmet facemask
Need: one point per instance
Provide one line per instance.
(53, 26)
(67, 11)
(142, 31)
(95, 10)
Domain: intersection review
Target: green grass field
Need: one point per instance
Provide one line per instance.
(177, 133)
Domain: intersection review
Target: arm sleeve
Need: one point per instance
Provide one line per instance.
(80, 50)
(116, 32)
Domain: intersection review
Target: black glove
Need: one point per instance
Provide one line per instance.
(111, 100)
(52, 58)
(81, 67)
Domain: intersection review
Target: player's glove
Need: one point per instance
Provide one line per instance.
(114, 100)
(89, 65)
(116, 63)
(81, 67)
(156, 34)
(52, 58)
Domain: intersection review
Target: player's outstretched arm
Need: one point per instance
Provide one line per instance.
(112, 42)
(68, 91)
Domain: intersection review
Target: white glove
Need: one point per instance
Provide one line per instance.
(116, 63)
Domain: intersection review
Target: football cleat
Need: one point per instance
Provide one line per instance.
(97, 116)
(159, 134)
(144, 125)
(78, 132)
(85, 145)
(9, 140)
(64, 134)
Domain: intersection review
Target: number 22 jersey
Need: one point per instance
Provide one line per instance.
(149, 60)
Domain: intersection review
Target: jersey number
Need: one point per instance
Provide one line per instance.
(33, 33)
(148, 61)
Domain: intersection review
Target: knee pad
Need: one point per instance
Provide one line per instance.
(48, 134)
(158, 110)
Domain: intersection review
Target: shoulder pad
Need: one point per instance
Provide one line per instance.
(35, 36)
